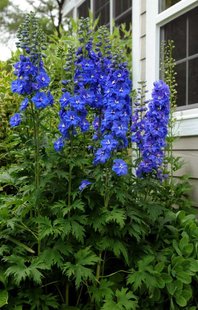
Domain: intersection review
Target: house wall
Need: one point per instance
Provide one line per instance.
(146, 23)
(146, 45)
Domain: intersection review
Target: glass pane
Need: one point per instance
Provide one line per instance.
(193, 32)
(83, 10)
(121, 6)
(193, 81)
(125, 19)
(104, 14)
(98, 4)
(181, 84)
(176, 31)
(165, 4)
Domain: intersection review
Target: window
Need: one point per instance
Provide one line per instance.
(122, 12)
(102, 10)
(83, 9)
(165, 4)
(184, 32)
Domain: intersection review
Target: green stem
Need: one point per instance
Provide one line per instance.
(116, 272)
(70, 176)
(36, 167)
(79, 296)
(107, 194)
(67, 294)
(69, 186)
(98, 268)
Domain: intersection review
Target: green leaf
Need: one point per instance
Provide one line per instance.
(45, 227)
(80, 270)
(124, 300)
(110, 304)
(86, 257)
(116, 215)
(21, 272)
(3, 298)
(166, 277)
(184, 277)
(101, 292)
(145, 262)
(171, 288)
(194, 266)
(20, 244)
(187, 292)
(159, 267)
(180, 300)
(136, 279)
(6, 178)
(176, 247)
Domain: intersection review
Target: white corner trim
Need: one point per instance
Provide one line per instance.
(136, 42)
(68, 6)
(152, 46)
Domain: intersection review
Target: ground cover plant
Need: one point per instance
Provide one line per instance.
(82, 225)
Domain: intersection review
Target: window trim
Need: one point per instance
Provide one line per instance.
(175, 11)
(187, 118)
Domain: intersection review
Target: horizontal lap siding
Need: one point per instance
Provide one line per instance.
(187, 149)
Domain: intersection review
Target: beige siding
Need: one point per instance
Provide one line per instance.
(187, 149)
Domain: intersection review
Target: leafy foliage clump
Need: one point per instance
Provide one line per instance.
(119, 243)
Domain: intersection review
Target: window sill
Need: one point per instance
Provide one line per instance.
(186, 123)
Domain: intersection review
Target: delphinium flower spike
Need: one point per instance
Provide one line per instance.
(100, 92)
(151, 139)
(32, 79)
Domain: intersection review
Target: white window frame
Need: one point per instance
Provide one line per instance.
(187, 120)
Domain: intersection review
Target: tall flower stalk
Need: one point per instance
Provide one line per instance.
(168, 74)
(151, 130)
(100, 100)
(32, 83)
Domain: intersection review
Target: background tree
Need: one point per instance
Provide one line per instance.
(49, 12)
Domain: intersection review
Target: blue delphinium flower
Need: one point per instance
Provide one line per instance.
(59, 144)
(150, 132)
(24, 104)
(42, 79)
(120, 167)
(84, 184)
(15, 120)
(42, 100)
(109, 143)
(32, 79)
(101, 91)
(64, 100)
(101, 156)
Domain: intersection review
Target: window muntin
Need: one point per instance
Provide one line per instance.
(121, 6)
(165, 4)
(122, 12)
(183, 32)
(102, 10)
